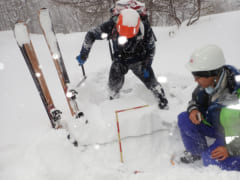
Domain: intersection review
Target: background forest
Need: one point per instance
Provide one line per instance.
(80, 15)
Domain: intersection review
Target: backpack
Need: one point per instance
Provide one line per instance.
(129, 4)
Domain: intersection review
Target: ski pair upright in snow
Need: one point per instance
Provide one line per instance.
(24, 42)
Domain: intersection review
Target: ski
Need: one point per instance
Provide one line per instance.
(50, 37)
(24, 43)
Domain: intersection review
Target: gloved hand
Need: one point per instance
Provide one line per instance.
(80, 61)
(146, 73)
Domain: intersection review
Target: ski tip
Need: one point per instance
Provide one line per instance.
(43, 11)
(19, 21)
(21, 33)
(43, 8)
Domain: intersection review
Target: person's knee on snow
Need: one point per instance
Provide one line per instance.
(230, 163)
(183, 118)
(209, 115)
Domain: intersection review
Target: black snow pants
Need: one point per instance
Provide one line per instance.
(119, 69)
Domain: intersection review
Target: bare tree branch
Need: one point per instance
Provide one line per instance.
(196, 13)
(172, 13)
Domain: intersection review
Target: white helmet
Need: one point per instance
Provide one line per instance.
(207, 58)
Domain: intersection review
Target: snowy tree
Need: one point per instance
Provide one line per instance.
(81, 15)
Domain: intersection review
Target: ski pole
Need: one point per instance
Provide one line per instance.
(84, 76)
(83, 71)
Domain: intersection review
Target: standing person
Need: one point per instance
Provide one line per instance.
(209, 113)
(133, 49)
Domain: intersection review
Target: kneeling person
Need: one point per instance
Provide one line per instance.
(209, 113)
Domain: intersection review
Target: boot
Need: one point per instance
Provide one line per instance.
(188, 158)
(160, 95)
(163, 102)
(113, 95)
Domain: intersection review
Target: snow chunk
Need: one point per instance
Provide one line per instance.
(46, 25)
(132, 17)
(162, 79)
(1, 66)
(237, 78)
(21, 33)
(122, 2)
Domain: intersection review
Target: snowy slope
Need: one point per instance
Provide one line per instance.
(30, 149)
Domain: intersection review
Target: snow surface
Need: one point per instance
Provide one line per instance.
(133, 17)
(30, 149)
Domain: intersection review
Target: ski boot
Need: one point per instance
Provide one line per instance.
(114, 95)
(188, 158)
(160, 95)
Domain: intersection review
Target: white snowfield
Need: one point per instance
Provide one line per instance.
(31, 149)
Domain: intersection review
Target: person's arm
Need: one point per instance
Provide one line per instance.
(95, 34)
(149, 43)
(198, 102)
(220, 153)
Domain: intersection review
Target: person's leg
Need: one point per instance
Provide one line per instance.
(149, 81)
(231, 163)
(193, 136)
(116, 78)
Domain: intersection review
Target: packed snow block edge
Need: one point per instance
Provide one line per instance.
(45, 21)
(21, 33)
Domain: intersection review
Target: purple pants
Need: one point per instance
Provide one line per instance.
(194, 140)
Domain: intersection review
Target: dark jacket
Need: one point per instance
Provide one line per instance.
(139, 48)
(210, 105)
(201, 100)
